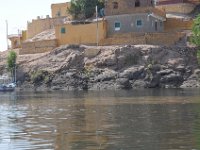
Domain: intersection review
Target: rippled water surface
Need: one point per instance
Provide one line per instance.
(107, 120)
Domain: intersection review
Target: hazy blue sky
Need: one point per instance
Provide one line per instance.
(18, 12)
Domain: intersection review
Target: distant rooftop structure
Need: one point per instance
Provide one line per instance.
(60, 10)
(15, 40)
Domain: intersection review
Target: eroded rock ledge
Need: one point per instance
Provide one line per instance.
(114, 67)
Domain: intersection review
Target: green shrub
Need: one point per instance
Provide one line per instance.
(87, 71)
(39, 77)
(11, 60)
(35, 76)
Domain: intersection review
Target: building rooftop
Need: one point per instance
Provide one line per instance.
(14, 36)
(45, 35)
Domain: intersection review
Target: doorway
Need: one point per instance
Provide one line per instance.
(156, 26)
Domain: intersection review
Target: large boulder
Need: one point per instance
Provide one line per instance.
(123, 83)
(138, 83)
(133, 73)
(154, 82)
(165, 72)
(106, 75)
(174, 79)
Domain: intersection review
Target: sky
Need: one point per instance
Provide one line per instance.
(18, 12)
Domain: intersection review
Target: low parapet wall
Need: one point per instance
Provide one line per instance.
(38, 46)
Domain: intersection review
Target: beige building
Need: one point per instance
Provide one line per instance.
(81, 32)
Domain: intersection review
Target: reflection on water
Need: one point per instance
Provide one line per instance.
(109, 120)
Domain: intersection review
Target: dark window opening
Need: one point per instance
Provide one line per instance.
(152, 2)
(139, 23)
(115, 5)
(62, 30)
(137, 3)
(58, 14)
(117, 26)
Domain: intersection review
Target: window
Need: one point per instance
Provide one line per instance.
(139, 23)
(58, 14)
(62, 30)
(161, 23)
(137, 3)
(117, 26)
(115, 5)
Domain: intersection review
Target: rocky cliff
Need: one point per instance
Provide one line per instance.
(113, 67)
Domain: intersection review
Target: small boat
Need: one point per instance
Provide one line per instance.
(7, 87)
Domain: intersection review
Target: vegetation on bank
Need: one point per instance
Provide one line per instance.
(196, 35)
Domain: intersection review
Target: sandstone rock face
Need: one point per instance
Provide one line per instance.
(113, 67)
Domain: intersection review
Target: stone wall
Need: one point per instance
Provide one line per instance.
(161, 38)
(126, 38)
(38, 47)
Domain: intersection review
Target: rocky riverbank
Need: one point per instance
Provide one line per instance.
(113, 67)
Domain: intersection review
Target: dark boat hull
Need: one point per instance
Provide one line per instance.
(7, 89)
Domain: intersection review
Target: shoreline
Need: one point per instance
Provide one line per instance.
(79, 67)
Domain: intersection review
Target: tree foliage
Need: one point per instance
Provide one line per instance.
(11, 60)
(83, 9)
(196, 31)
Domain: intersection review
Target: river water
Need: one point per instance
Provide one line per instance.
(107, 120)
